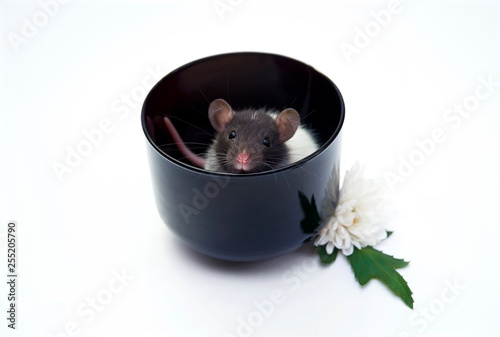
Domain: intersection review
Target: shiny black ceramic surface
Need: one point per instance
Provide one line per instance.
(236, 216)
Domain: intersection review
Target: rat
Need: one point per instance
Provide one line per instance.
(250, 140)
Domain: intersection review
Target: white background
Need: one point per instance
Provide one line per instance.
(77, 233)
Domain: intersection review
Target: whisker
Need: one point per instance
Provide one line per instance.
(199, 112)
(227, 89)
(190, 143)
(314, 175)
(271, 168)
(308, 114)
(190, 124)
(203, 94)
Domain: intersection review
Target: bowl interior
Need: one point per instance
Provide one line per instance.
(244, 80)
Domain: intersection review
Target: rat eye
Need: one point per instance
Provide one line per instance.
(266, 142)
(232, 135)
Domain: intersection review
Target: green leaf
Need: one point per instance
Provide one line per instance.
(389, 234)
(325, 257)
(368, 263)
(311, 216)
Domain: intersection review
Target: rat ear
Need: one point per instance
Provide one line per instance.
(220, 113)
(287, 122)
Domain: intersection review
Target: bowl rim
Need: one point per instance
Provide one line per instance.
(290, 166)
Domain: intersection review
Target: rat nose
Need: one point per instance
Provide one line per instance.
(243, 157)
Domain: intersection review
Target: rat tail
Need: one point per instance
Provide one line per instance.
(190, 155)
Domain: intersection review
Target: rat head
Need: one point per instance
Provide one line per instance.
(251, 140)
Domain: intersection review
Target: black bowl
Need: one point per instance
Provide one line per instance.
(241, 217)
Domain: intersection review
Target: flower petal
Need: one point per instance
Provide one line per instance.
(357, 220)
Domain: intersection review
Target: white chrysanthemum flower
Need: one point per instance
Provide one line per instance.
(359, 217)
